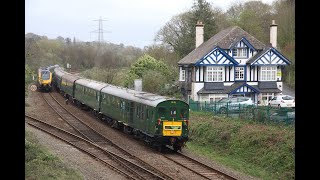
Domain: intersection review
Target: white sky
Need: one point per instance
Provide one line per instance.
(131, 22)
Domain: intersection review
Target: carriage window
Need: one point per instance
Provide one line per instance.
(128, 107)
(122, 105)
(142, 112)
(138, 110)
(173, 112)
(162, 112)
(183, 113)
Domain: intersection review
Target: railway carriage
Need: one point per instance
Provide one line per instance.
(57, 75)
(44, 79)
(87, 92)
(67, 85)
(158, 120)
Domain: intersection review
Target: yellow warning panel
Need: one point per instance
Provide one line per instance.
(172, 128)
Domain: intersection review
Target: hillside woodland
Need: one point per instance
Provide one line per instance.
(119, 64)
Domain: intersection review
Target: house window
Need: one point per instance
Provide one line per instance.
(239, 73)
(214, 74)
(240, 52)
(183, 75)
(268, 73)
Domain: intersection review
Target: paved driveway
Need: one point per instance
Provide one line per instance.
(287, 91)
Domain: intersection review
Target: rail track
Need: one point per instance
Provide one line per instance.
(179, 158)
(95, 137)
(116, 162)
(197, 167)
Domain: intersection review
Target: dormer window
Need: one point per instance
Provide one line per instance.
(240, 52)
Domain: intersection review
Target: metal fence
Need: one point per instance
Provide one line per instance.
(242, 111)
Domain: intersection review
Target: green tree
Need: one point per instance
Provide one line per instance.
(285, 17)
(145, 63)
(179, 32)
(153, 81)
(253, 17)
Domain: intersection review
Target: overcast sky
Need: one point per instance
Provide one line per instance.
(131, 22)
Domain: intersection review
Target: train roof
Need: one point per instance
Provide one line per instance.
(70, 77)
(137, 96)
(59, 72)
(132, 95)
(91, 83)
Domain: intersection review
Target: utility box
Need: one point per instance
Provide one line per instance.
(138, 84)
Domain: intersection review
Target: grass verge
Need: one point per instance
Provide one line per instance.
(259, 150)
(41, 164)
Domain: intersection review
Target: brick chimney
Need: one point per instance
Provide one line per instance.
(273, 34)
(199, 33)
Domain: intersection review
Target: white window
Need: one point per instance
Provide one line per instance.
(239, 73)
(182, 75)
(215, 73)
(240, 52)
(268, 73)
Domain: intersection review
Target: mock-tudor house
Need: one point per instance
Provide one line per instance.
(232, 63)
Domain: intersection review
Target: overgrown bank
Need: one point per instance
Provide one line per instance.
(40, 164)
(264, 151)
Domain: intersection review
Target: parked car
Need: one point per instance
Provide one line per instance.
(233, 104)
(282, 101)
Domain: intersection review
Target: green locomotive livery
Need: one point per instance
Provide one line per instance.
(158, 120)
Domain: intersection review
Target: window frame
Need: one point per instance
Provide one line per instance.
(266, 74)
(241, 72)
(215, 71)
(183, 75)
(240, 52)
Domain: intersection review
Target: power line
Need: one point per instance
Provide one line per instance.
(100, 30)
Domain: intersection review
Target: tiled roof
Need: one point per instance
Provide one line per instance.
(213, 85)
(253, 58)
(267, 85)
(262, 87)
(224, 39)
(268, 90)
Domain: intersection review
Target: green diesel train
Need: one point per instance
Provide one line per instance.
(158, 120)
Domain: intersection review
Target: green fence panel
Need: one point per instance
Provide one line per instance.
(257, 113)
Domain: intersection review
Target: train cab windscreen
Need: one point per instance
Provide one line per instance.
(45, 75)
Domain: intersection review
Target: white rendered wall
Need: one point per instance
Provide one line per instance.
(195, 88)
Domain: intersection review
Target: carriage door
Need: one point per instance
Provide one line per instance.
(131, 112)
